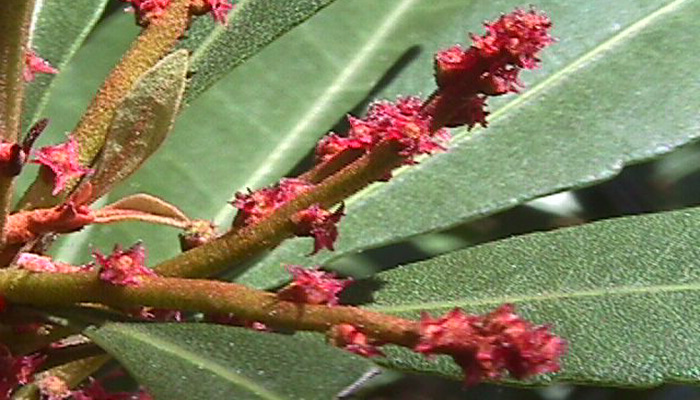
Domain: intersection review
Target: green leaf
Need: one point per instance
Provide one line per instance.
(261, 120)
(624, 293)
(58, 31)
(142, 122)
(252, 25)
(619, 87)
(200, 361)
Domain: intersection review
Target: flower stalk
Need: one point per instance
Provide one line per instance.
(15, 18)
(211, 297)
(230, 250)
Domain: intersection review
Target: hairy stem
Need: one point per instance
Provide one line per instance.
(239, 245)
(54, 289)
(15, 18)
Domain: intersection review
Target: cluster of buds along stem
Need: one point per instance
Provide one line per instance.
(392, 134)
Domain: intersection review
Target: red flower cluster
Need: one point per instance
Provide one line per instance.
(33, 64)
(256, 206)
(16, 371)
(401, 122)
(312, 286)
(62, 163)
(487, 346)
(320, 224)
(353, 340)
(148, 9)
(124, 268)
(490, 67)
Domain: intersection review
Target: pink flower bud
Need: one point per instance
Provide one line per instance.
(350, 338)
(312, 286)
(255, 206)
(320, 224)
(33, 64)
(124, 268)
(62, 163)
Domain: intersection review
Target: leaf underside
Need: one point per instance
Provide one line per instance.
(624, 293)
(204, 361)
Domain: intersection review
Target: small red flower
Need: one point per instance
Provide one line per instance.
(33, 64)
(490, 67)
(37, 263)
(401, 122)
(320, 224)
(256, 206)
(312, 286)
(124, 268)
(485, 347)
(350, 338)
(219, 10)
(148, 9)
(62, 162)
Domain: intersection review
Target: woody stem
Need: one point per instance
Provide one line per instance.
(239, 245)
(213, 297)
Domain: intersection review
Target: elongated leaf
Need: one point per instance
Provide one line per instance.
(595, 108)
(149, 204)
(58, 30)
(252, 25)
(198, 361)
(142, 122)
(624, 293)
(262, 120)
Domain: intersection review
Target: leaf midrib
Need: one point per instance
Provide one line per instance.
(346, 74)
(542, 87)
(606, 292)
(216, 368)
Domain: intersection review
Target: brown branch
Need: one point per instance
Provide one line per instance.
(15, 17)
(55, 289)
(239, 245)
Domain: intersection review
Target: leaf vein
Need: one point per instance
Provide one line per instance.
(614, 291)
